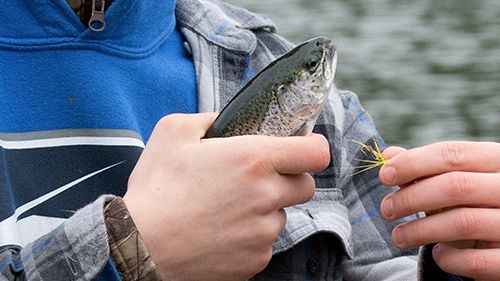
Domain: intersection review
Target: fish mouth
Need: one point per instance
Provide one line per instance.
(329, 61)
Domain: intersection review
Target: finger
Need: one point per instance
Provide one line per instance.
(268, 225)
(443, 191)
(389, 153)
(474, 263)
(296, 189)
(296, 155)
(273, 223)
(451, 225)
(439, 158)
(281, 219)
(392, 151)
(184, 127)
(286, 155)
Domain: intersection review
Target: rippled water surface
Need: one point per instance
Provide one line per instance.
(425, 70)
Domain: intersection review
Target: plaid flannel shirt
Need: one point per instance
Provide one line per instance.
(338, 235)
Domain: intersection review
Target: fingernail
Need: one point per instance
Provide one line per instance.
(436, 251)
(397, 236)
(387, 207)
(389, 174)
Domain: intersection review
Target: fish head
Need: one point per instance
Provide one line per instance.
(321, 62)
(309, 86)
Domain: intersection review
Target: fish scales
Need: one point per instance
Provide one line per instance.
(285, 98)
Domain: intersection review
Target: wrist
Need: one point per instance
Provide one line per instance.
(127, 249)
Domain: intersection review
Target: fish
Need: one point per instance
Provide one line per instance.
(285, 98)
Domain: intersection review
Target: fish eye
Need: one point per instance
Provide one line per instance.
(312, 65)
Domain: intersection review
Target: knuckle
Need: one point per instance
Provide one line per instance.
(279, 225)
(283, 219)
(417, 231)
(411, 161)
(453, 154)
(478, 264)
(243, 153)
(170, 121)
(271, 230)
(309, 186)
(263, 260)
(259, 163)
(323, 153)
(467, 222)
(407, 200)
(267, 200)
(458, 186)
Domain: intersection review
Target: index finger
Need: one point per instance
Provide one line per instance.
(441, 157)
(296, 155)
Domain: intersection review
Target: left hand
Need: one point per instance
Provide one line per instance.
(462, 181)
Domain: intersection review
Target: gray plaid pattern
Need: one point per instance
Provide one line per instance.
(76, 250)
(338, 235)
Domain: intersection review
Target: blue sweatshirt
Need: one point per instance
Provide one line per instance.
(76, 106)
(56, 74)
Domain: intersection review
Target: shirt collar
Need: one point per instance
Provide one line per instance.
(222, 24)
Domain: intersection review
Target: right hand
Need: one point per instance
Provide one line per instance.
(457, 182)
(210, 209)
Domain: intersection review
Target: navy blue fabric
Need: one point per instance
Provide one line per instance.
(109, 272)
(55, 74)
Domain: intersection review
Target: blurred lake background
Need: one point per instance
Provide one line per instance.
(425, 70)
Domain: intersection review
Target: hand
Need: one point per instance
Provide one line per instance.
(210, 209)
(462, 181)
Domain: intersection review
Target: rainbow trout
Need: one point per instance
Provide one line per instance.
(285, 98)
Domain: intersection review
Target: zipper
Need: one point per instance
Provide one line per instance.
(96, 22)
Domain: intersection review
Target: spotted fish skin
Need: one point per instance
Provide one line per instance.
(285, 98)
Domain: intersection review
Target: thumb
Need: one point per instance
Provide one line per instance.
(389, 153)
(184, 127)
(201, 123)
(392, 151)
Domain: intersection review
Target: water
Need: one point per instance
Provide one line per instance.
(425, 70)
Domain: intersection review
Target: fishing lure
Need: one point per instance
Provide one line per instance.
(374, 155)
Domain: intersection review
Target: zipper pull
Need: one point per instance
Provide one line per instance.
(96, 22)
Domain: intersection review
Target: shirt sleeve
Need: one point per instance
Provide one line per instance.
(76, 250)
(127, 249)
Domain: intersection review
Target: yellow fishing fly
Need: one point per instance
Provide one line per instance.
(374, 155)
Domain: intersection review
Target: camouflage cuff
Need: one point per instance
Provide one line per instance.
(127, 248)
